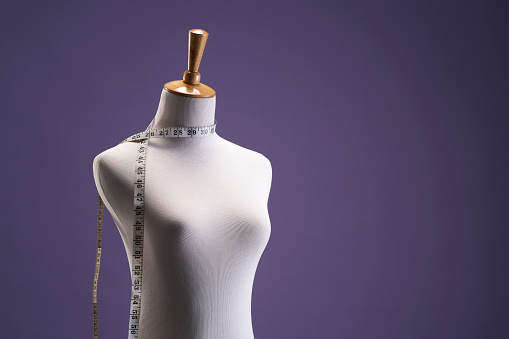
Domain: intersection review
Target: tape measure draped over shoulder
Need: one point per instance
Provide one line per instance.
(139, 217)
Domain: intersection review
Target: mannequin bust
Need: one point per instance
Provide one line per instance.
(206, 217)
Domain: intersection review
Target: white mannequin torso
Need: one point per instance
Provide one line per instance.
(206, 224)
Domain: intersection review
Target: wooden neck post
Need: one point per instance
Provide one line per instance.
(190, 85)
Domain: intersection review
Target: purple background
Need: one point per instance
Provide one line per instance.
(387, 129)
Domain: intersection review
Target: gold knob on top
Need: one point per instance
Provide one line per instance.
(190, 86)
(197, 41)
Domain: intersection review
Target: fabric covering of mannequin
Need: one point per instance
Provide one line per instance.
(206, 223)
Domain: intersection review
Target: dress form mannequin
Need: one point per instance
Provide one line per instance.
(206, 218)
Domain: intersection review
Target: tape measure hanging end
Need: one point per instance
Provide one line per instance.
(100, 207)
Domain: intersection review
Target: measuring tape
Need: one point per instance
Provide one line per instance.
(139, 217)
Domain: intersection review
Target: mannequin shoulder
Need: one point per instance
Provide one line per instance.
(114, 159)
(263, 163)
(251, 159)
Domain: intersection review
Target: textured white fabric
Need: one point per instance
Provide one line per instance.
(206, 224)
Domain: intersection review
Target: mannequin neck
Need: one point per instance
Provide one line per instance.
(177, 110)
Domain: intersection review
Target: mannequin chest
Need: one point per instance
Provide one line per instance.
(217, 191)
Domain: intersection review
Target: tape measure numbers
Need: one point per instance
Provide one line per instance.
(139, 218)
